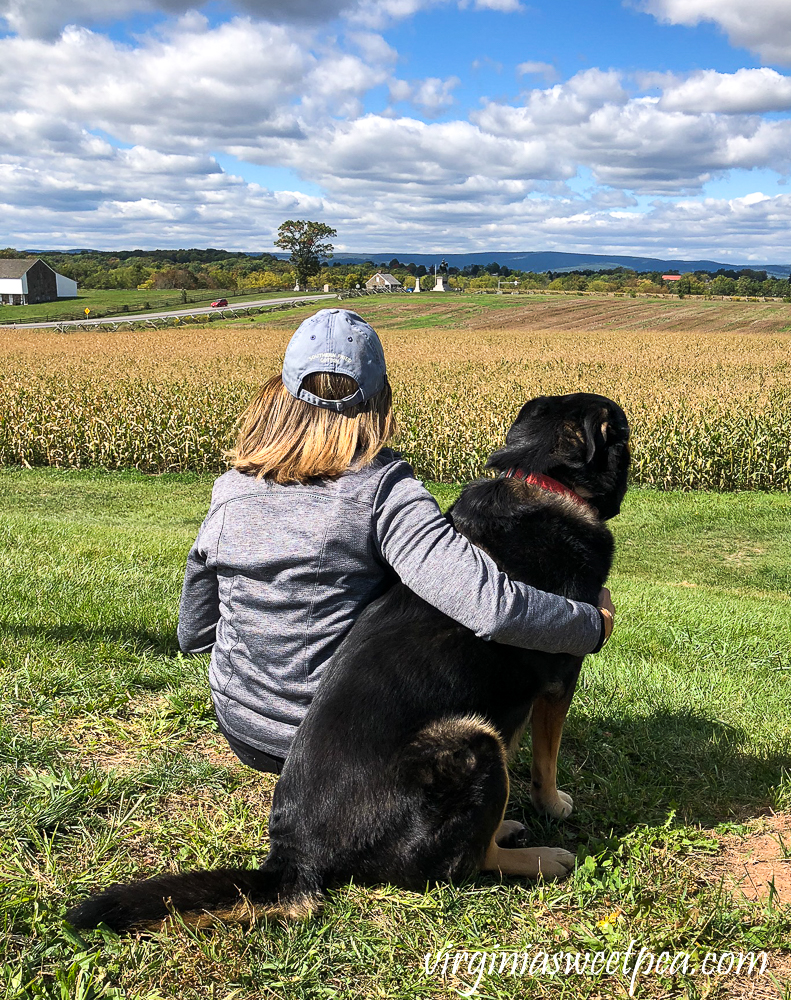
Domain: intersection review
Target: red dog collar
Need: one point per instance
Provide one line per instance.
(545, 482)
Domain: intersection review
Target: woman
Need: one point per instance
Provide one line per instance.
(313, 522)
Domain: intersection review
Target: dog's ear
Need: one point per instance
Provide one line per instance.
(596, 427)
(580, 438)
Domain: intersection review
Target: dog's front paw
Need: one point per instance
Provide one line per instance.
(559, 806)
(554, 862)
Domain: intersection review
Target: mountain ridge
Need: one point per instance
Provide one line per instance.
(555, 260)
(520, 260)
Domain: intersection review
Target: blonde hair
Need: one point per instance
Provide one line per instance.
(288, 440)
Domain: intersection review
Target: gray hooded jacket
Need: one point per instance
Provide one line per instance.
(279, 574)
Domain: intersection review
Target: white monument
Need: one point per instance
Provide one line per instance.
(417, 285)
(441, 278)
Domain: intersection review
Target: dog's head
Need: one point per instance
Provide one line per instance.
(581, 439)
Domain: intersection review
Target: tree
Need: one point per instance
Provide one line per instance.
(723, 286)
(304, 240)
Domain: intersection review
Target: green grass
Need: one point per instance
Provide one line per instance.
(111, 766)
(112, 302)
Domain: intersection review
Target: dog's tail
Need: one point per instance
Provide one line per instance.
(280, 889)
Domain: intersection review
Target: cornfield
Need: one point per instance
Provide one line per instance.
(708, 410)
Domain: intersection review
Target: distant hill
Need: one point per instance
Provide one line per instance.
(551, 260)
(538, 261)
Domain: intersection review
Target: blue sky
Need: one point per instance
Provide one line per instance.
(570, 35)
(656, 127)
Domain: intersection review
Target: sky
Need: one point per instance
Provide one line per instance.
(651, 127)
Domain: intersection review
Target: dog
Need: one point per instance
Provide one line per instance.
(398, 773)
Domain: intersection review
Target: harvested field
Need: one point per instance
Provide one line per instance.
(706, 384)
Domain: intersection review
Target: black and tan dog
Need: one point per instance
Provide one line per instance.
(399, 771)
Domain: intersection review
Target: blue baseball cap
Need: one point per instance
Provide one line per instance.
(335, 340)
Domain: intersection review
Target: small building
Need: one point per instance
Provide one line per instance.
(380, 280)
(671, 277)
(29, 280)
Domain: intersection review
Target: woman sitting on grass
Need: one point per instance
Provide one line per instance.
(315, 520)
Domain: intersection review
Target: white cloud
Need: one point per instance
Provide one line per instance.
(373, 47)
(378, 12)
(376, 154)
(637, 144)
(292, 95)
(276, 95)
(46, 18)
(640, 147)
(432, 95)
(125, 202)
(568, 104)
(763, 26)
(747, 91)
(192, 89)
(504, 6)
(574, 101)
(547, 70)
(138, 197)
(446, 186)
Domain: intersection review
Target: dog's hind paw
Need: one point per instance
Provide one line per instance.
(509, 833)
(560, 806)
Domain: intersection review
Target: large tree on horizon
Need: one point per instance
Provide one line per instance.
(307, 244)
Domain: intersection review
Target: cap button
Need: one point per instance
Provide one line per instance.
(334, 310)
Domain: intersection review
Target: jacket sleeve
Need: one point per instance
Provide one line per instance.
(199, 609)
(447, 570)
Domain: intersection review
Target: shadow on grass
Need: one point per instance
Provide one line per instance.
(628, 770)
(130, 638)
(623, 770)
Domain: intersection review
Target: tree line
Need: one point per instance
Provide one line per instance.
(241, 273)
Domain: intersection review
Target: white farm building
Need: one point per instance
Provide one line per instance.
(380, 280)
(30, 280)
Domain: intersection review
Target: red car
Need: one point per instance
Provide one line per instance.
(219, 303)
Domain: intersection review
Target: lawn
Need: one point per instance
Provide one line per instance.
(677, 752)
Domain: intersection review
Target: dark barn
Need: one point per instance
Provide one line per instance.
(30, 281)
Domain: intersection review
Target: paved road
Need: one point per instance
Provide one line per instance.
(196, 311)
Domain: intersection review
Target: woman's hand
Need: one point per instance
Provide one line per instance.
(607, 608)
